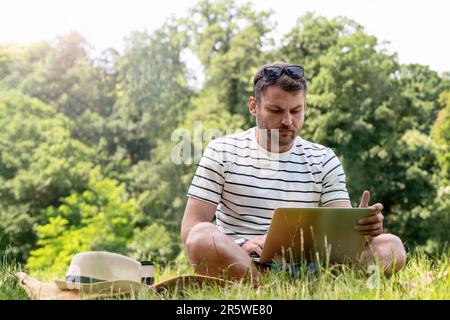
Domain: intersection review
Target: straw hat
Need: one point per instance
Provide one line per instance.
(94, 275)
(102, 272)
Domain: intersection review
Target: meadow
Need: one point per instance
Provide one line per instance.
(425, 277)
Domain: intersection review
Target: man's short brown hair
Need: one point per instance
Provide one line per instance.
(284, 82)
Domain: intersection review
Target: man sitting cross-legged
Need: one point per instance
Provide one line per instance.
(243, 177)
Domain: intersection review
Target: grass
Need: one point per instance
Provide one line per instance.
(425, 276)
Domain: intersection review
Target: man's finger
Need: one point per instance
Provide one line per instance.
(252, 247)
(378, 206)
(257, 249)
(369, 227)
(371, 219)
(365, 199)
(260, 243)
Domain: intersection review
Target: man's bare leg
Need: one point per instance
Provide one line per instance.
(215, 254)
(388, 250)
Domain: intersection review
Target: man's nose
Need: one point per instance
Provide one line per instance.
(287, 119)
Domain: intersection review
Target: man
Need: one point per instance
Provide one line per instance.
(243, 177)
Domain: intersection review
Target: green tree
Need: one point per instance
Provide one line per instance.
(161, 184)
(16, 231)
(152, 91)
(153, 243)
(64, 75)
(422, 88)
(100, 218)
(230, 41)
(440, 134)
(357, 106)
(124, 113)
(21, 61)
(39, 163)
(311, 37)
(6, 60)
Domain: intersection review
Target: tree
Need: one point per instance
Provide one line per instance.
(65, 77)
(153, 243)
(62, 74)
(311, 37)
(230, 40)
(6, 60)
(16, 231)
(428, 225)
(100, 218)
(168, 165)
(422, 87)
(356, 106)
(440, 134)
(39, 163)
(64, 112)
(152, 90)
(162, 183)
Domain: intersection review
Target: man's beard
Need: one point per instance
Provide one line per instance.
(284, 136)
(274, 139)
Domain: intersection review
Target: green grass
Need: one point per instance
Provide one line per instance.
(424, 277)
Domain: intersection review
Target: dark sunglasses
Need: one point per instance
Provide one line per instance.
(273, 73)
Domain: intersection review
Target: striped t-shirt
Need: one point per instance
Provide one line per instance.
(247, 183)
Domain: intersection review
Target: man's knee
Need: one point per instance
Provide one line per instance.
(213, 253)
(388, 240)
(391, 247)
(199, 237)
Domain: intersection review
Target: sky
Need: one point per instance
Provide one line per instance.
(418, 30)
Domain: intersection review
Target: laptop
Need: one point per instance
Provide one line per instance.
(313, 235)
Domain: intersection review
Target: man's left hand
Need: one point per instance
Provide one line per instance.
(255, 245)
(371, 226)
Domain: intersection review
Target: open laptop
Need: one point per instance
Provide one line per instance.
(313, 235)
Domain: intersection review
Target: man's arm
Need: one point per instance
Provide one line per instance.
(340, 204)
(197, 211)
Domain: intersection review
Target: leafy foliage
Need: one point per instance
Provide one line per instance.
(374, 113)
(39, 163)
(90, 147)
(153, 243)
(229, 40)
(101, 218)
(152, 91)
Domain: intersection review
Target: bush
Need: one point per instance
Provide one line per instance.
(100, 218)
(153, 243)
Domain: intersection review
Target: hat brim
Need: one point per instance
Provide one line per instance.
(124, 286)
(106, 287)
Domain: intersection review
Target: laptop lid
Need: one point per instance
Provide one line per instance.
(314, 234)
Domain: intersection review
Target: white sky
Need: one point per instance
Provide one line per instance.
(418, 30)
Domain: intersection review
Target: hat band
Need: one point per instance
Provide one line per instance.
(81, 279)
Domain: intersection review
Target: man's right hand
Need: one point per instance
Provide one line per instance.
(255, 245)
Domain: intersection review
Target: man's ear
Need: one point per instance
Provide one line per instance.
(252, 106)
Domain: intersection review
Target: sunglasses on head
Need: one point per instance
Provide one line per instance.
(273, 73)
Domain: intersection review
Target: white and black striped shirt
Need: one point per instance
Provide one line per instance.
(247, 183)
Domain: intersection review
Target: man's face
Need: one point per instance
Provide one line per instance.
(282, 110)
